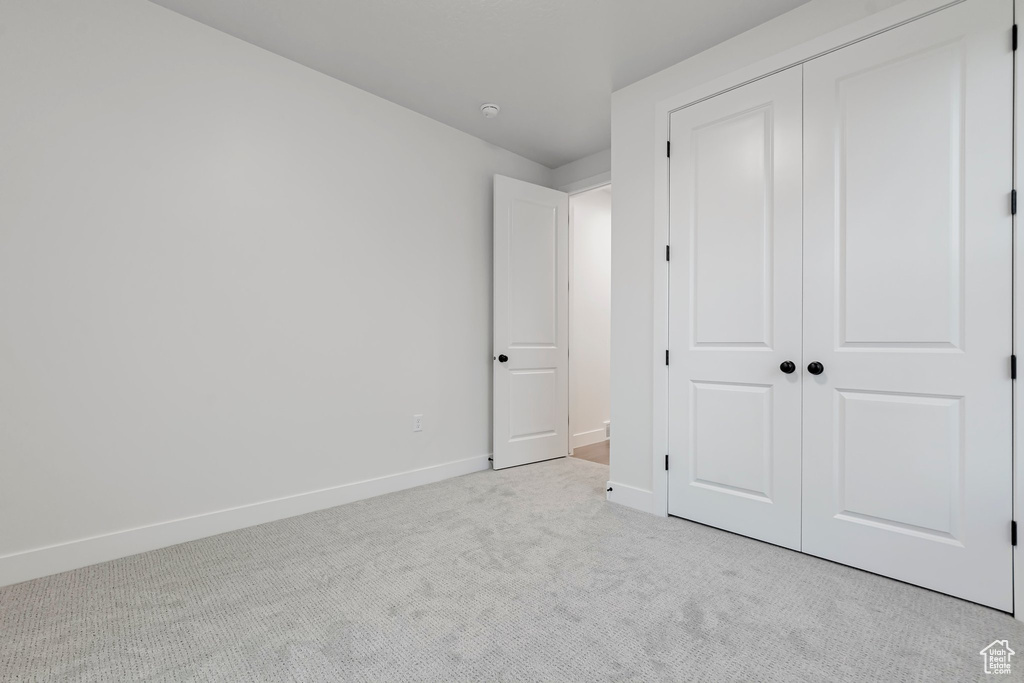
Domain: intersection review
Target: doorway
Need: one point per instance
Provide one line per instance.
(543, 278)
(590, 222)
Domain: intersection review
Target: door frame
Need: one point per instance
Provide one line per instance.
(1018, 320)
(882, 21)
(578, 188)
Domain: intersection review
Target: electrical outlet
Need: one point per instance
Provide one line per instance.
(417, 423)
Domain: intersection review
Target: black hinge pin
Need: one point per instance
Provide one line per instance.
(666, 462)
(1013, 533)
(666, 356)
(1013, 202)
(668, 253)
(1013, 37)
(668, 148)
(1013, 366)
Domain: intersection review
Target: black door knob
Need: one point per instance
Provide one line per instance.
(502, 358)
(815, 368)
(788, 367)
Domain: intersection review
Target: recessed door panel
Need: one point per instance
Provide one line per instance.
(532, 409)
(905, 116)
(737, 460)
(731, 259)
(533, 273)
(916, 442)
(907, 297)
(734, 434)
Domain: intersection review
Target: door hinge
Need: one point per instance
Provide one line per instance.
(1013, 37)
(1013, 202)
(668, 253)
(1013, 533)
(666, 356)
(666, 463)
(1013, 366)
(668, 148)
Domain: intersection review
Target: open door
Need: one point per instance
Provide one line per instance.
(531, 323)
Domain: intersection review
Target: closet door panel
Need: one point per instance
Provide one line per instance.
(735, 310)
(907, 300)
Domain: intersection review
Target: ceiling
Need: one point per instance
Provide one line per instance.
(550, 64)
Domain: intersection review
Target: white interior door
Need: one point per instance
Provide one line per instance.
(531, 323)
(734, 310)
(907, 303)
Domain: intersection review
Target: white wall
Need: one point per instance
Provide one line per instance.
(590, 315)
(224, 279)
(585, 173)
(636, 148)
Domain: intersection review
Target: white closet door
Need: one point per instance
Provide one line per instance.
(531, 323)
(734, 436)
(907, 266)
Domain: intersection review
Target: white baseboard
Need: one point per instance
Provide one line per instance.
(638, 499)
(589, 437)
(31, 564)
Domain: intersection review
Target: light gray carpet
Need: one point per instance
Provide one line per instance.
(523, 574)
